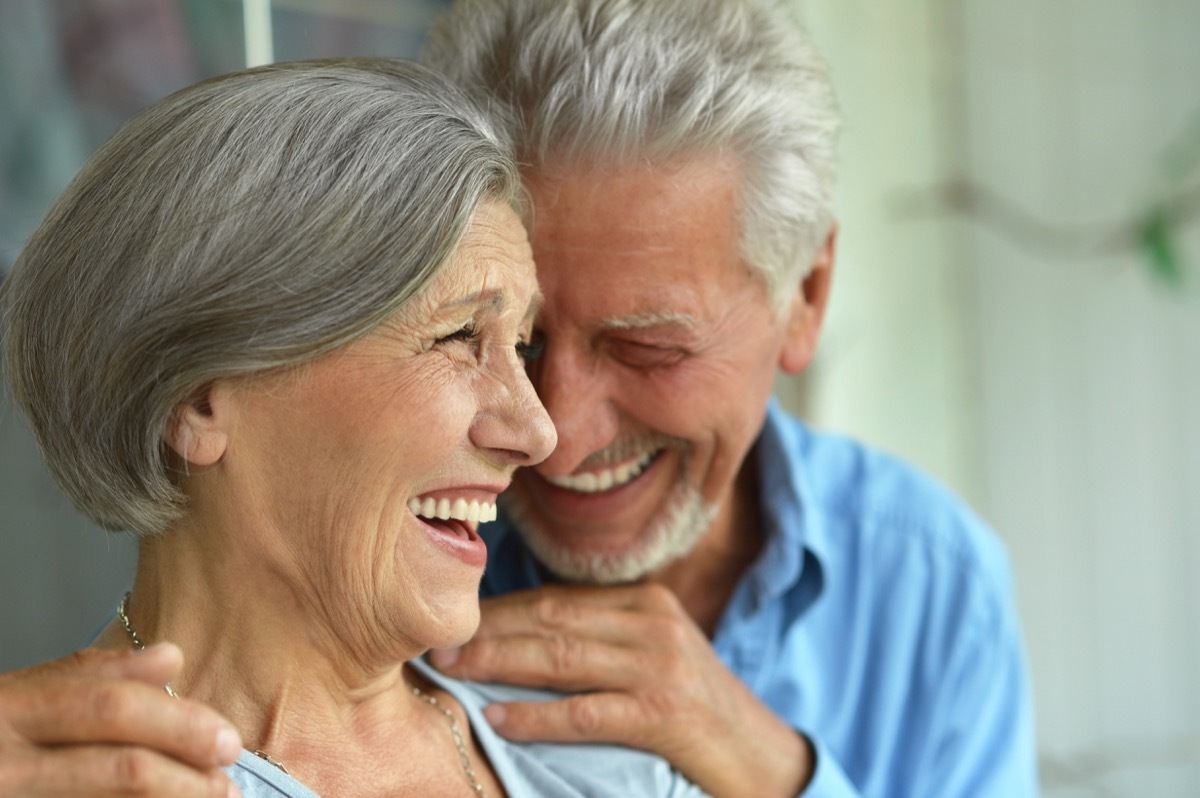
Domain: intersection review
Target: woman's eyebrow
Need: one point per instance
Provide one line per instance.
(491, 298)
(535, 307)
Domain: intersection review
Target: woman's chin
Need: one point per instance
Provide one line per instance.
(456, 629)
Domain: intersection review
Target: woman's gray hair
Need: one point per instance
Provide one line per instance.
(250, 222)
(603, 81)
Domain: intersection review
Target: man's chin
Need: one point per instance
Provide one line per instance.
(666, 539)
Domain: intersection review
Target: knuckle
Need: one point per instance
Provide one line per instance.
(663, 706)
(552, 612)
(566, 655)
(475, 656)
(584, 716)
(78, 663)
(83, 657)
(110, 704)
(134, 771)
(669, 632)
(194, 731)
(660, 598)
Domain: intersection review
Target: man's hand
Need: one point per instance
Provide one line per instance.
(98, 723)
(646, 677)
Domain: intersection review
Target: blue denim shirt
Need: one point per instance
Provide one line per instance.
(878, 620)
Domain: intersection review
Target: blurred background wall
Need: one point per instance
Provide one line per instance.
(1016, 310)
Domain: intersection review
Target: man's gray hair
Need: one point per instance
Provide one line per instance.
(250, 222)
(621, 81)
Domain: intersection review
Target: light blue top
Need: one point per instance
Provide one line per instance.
(878, 620)
(525, 770)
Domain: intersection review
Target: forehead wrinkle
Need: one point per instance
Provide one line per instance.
(658, 319)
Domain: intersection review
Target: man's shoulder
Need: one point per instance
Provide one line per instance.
(845, 474)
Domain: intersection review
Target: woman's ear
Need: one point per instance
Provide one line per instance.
(807, 311)
(198, 428)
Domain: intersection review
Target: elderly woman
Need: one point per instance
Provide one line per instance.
(276, 327)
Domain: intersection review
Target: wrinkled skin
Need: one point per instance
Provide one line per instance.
(655, 330)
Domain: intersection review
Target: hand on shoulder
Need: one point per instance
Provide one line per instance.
(99, 723)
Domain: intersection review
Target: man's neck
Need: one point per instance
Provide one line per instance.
(705, 579)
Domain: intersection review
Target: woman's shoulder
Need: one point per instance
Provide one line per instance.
(534, 769)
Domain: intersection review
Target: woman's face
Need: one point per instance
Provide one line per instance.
(349, 459)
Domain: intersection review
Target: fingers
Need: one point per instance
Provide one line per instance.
(155, 665)
(562, 662)
(600, 613)
(74, 711)
(110, 771)
(518, 611)
(590, 717)
(115, 698)
(574, 639)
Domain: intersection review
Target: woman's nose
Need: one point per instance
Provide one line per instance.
(513, 421)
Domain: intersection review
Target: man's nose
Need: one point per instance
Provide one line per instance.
(578, 394)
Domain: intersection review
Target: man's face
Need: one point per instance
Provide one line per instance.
(661, 349)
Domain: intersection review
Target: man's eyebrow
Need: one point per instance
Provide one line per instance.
(660, 319)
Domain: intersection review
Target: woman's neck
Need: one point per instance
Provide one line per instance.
(256, 650)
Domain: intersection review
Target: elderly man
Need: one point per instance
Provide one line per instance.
(775, 610)
(797, 612)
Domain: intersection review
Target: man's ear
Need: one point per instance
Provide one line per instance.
(198, 428)
(807, 311)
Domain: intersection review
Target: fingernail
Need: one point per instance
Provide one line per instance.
(444, 657)
(229, 746)
(495, 715)
(151, 649)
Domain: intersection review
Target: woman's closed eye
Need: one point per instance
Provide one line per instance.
(468, 333)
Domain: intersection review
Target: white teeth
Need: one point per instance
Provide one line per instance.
(473, 512)
(596, 481)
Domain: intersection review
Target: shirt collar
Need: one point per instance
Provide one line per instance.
(797, 545)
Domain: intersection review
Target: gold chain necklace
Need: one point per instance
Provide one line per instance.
(140, 646)
(455, 730)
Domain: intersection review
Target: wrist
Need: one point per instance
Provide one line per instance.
(778, 765)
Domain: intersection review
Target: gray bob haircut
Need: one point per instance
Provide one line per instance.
(247, 223)
(610, 81)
